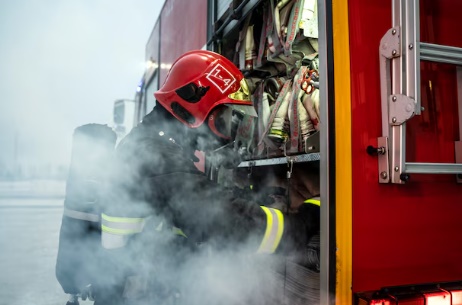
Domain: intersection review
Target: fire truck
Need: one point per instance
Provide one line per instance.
(384, 140)
(123, 116)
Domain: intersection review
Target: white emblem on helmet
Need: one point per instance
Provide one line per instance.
(221, 78)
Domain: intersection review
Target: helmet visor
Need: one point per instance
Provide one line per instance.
(225, 120)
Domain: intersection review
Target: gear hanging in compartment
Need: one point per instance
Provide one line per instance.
(277, 51)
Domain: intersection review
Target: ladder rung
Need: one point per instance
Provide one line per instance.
(433, 168)
(440, 53)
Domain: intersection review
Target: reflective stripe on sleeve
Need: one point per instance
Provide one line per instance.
(81, 215)
(314, 200)
(115, 230)
(274, 230)
(178, 231)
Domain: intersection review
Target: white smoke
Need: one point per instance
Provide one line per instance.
(62, 69)
(63, 65)
(203, 268)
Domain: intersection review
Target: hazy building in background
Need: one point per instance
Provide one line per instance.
(28, 157)
(63, 64)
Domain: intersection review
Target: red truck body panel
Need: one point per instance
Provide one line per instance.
(152, 46)
(183, 28)
(401, 234)
(404, 234)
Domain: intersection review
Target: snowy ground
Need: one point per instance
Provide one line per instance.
(32, 189)
(30, 219)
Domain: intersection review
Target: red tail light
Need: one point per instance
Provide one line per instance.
(380, 302)
(456, 297)
(438, 298)
(428, 294)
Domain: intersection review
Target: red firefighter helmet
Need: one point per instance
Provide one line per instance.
(198, 82)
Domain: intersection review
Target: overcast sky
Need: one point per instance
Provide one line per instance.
(62, 64)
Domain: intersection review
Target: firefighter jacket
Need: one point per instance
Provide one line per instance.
(156, 178)
(155, 187)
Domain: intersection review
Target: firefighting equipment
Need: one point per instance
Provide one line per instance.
(292, 28)
(244, 141)
(297, 125)
(79, 237)
(233, 125)
(267, 96)
(281, 17)
(279, 130)
(306, 125)
(280, 39)
(198, 82)
(311, 104)
(309, 118)
(157, 179)
(309, 22)
(308, 82)
(249, 49)
(287, 121)
(253, 83)
(293, 117)
(240, 50)
(224, 122)
(272, 86)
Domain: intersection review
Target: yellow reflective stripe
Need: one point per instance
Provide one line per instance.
(121, 225)
(280, 228)
(314, 201)
(278, 132)
(121, 219)
(118, 231)
(269, 224)
(178, 231)
(273, 232)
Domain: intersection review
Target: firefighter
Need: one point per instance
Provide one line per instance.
(160, 208)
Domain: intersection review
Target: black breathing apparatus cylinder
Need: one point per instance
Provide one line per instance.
(79, 252)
